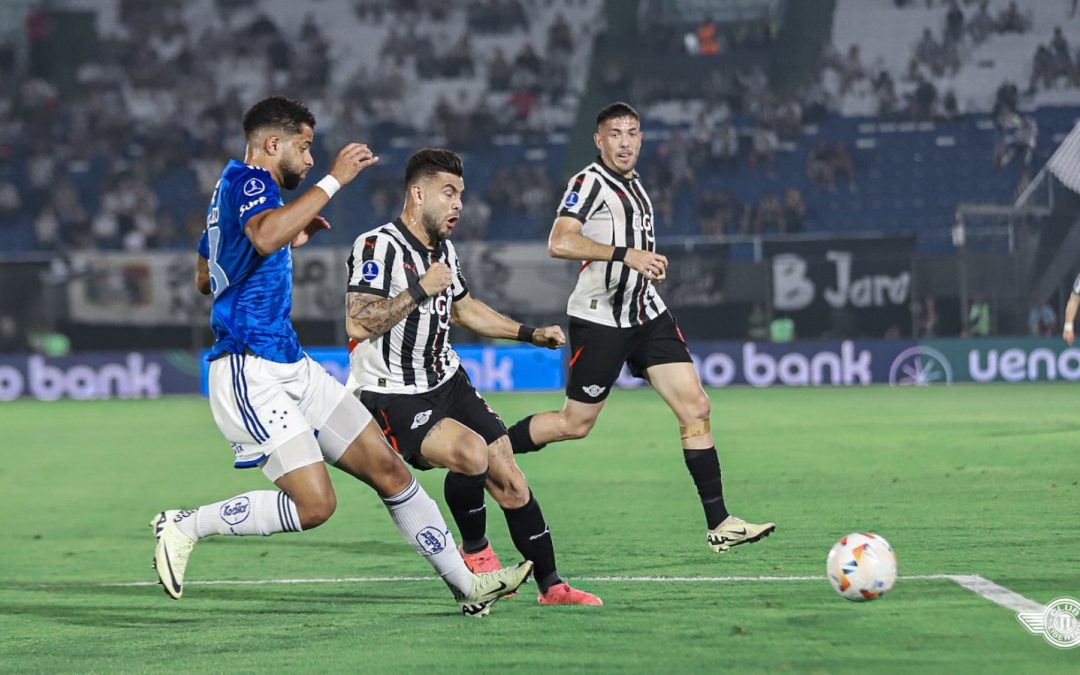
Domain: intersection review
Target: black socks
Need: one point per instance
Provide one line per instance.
(704, 467)
(465, 499)
(520, 440)
(533, 540)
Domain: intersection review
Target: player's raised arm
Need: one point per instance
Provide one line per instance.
(473, 314)
(275, 228)
(567, 242)
(367, 316)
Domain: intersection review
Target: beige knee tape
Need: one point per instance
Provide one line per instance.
(695, 429)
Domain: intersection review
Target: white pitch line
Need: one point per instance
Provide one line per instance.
(978, 585)
(999, 595)
(369, 580)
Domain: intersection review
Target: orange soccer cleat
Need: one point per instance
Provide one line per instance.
(564, 594)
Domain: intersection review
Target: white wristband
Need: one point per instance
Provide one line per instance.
(1069, 326)
(329, 185)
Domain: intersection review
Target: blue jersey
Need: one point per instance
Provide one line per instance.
(252, 293)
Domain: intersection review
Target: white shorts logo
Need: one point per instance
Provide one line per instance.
(421, 419)
(253, 187)
(593, 390)
(1058, 623)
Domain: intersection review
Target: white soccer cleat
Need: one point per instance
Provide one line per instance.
(735, 531)
(490, 586)
(172, 552)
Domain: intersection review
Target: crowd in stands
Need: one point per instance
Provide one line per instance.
(126, 157)
(913, 93)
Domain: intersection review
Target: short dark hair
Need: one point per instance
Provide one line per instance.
(278, 112)
(616, 109)
(430, 161)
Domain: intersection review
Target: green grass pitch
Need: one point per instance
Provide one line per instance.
(962, 480)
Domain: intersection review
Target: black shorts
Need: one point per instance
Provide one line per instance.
(406, 419)
(598, 352)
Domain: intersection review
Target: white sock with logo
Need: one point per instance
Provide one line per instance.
(262, 512)
(418, 519)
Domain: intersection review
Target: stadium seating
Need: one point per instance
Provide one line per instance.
(910, 176)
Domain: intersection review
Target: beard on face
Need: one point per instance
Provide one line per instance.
(432, 225)
(291, 175)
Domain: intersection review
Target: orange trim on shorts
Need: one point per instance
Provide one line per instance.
(389, 433)
(577, 354)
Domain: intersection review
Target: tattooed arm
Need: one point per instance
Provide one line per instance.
(368, 316)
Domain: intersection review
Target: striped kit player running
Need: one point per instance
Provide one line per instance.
(616, 317)
(405, 286)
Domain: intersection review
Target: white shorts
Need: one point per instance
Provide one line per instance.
(259, 405)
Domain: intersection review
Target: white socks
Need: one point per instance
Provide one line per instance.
(266, 512)
(418, 519)
(263, 512)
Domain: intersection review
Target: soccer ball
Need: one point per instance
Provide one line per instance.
(861, 566)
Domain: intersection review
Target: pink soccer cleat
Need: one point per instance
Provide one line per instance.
(564, 594)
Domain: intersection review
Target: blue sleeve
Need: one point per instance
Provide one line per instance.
(254, 192)
(204, 246)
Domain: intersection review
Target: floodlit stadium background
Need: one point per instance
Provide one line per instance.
(831, 163)
(850, 192)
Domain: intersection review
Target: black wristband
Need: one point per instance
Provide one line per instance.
(619, 254)
(417, 292)
(526, 333)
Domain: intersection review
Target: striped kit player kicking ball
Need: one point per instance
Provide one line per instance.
(405, 288)
(617, 317)
(279, 409)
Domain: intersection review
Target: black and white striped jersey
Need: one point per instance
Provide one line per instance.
(613, 210)
(415, 355)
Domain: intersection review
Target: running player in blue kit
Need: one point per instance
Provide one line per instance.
(279, 409)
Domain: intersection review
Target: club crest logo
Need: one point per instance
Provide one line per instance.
(370, 270)
(1058, 622)
(421, 419)
(593, 390)
(253, 187)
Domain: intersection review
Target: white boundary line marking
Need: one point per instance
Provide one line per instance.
(978, 585)
(999, 595)
(376, 580)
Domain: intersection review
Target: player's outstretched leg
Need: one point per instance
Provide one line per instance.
(417, 517)
(679, 386)
(306, 500)
(528, 528)
(260, 512)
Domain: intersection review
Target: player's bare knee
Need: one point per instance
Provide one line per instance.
(509, 489)
(577, 427)
(694, 411)
(316, 511)
(470, 456)
(515, 493)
